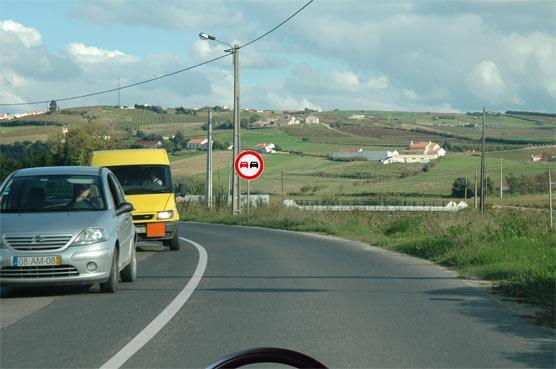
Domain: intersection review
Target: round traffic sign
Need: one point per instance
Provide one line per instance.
(249, 165)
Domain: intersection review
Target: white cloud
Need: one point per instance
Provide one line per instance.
(410, 94)
(288, 102)
(533, 59)
(28, 35)
(379, 82)
(345, 80)
(485, 82)
(406, 55)
(92, 54)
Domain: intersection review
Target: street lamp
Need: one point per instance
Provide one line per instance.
(234, 49)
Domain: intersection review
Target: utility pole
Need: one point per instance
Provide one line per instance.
(501, 184)
(248, 201)
(483, 179)
(119, 92)
(282, 186)
(476, 186)
(219, 202)
(234, 49)
(465, 188)
(209, 161)
(550, 198)
(230, 170)
(236, 194)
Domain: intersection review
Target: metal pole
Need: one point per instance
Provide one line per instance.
(482, 203)
(229, 184)
(282, 186)
(236, 199)
(209, 161)
(550, 198)
(119, 92)
(248, 200)
(219, 196)
(501, 185)
(476, 187)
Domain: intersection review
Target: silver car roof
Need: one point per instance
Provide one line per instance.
(68, 170)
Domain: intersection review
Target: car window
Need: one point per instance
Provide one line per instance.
(114, 191)
(52, 193)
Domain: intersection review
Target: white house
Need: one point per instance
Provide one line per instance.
(265, 148)
(288, 121)
(311, 119)
(419, 152)
(197, 144)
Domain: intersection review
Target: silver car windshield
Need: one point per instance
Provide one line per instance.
(49, 193)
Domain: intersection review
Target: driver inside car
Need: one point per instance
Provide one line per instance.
(87, 197)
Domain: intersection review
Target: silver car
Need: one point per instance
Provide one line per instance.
(65, 225)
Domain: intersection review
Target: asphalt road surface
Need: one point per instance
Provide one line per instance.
(345, 304)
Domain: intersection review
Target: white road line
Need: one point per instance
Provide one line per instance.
(164, 317)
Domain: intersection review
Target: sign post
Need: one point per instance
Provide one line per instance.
(249, 165)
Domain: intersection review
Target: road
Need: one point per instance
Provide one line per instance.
(345, 304)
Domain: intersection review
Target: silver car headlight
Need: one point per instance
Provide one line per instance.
(89, 236)
(165, 214)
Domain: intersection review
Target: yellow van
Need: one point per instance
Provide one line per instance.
(147, 181)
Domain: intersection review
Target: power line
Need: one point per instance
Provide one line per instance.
(278, 26)
(164, 75)
(122, 87)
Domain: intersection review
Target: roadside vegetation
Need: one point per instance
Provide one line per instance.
(515, 250)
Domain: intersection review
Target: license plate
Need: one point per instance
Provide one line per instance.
(23, 261)
(141, 229)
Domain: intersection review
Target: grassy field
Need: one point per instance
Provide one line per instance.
(515, 250)
(307, 170)
(357, 177)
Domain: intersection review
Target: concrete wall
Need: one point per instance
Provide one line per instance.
(450, 207)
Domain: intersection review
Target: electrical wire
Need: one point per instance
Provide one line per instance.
(121, 87)
(278, 26)
(228, 52)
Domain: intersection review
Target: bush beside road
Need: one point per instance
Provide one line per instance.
(515, 250)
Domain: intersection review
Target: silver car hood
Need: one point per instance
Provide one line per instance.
(55, 222)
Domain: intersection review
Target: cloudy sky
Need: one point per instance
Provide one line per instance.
(382, 55)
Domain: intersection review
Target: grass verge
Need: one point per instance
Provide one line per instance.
(515, 250)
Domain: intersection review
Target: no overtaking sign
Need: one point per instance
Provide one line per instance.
(249, 165)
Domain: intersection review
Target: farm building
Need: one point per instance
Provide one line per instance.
(197, 144)
(148, 144)
(265, 148)
(311, 119)
(419, 152)
(358, 153)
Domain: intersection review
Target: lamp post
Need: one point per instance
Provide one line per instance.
(234, 50)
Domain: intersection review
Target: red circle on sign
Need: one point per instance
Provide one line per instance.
(249, 165)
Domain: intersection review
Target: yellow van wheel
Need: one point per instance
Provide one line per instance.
(175, 241)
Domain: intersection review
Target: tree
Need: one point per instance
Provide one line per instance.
(76, 147)
(179, 140)
(458, 188)
(53, 107)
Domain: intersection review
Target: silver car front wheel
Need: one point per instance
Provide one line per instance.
(111, 285)
(129, 273)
